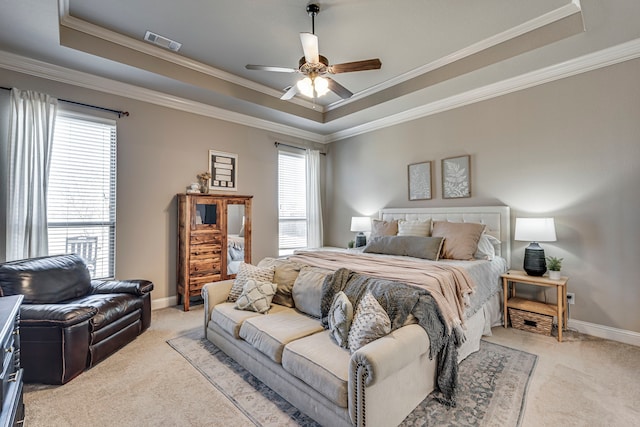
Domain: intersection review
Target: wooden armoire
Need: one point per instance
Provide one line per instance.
(213, 230)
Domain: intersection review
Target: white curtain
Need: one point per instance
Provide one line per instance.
(314, 204)
(31, 122)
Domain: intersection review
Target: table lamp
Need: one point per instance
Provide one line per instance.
(535, 230)
(360, 224)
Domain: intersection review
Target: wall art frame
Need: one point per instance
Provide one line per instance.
(223, 168)
(420, 180)
(456, 177)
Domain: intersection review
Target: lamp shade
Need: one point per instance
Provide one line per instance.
(535, 230)
(360, 224)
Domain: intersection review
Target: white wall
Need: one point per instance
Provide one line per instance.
(568, 149)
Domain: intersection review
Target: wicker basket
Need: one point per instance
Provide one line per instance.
(531, 322)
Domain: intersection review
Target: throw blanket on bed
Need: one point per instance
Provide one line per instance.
(399, 301)
(448, 284)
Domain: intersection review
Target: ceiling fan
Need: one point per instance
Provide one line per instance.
(315, 67)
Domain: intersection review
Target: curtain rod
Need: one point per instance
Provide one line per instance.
(293, 146)
(95, 107)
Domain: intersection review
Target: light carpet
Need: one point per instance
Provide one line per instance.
(491, 392)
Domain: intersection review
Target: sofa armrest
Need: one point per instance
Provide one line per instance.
(213, 294)
(135, 287)
(399, 362)
(386, 355)
(62, 315)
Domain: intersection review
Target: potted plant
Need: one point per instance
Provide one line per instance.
(554, 265)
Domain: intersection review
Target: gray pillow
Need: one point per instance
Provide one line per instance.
(340, 318)
(369, 323)
(413, 246)
(307, 290)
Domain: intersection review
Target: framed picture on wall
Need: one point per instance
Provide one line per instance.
(456, 177)
(420, 181)
(223, 168)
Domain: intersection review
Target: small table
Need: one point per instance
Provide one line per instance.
(559, 310)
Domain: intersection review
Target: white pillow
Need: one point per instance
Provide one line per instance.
(369, 323)
(246, 272)
(340, 318)
(256, 296)
(486, 247)
(414, 228)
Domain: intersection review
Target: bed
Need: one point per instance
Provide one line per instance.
(481, 308)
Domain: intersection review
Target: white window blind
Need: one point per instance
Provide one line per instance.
(81, 193)
(292, 202)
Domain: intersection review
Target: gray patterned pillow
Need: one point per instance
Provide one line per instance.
(246, 272)
(369, 323)
(340, 318)
(256, 296)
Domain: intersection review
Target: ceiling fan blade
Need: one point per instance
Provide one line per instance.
(270, 68)
(293, 90)
(348, 67)
(310, 47)
(338, 89)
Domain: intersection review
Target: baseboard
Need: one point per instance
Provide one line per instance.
(600, 331)
(159, 303)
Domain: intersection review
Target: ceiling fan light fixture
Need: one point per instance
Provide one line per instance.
(321, 85)
(305, 86)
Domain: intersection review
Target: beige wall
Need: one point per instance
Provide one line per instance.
(568, 149)
(160, 152)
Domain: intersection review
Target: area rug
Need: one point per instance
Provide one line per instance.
(492, 388)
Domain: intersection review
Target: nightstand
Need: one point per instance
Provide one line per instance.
(510, 299)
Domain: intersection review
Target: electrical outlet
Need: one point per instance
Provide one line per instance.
(571, 298)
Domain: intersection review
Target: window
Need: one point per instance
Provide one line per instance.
(292, 202)
(81, 194)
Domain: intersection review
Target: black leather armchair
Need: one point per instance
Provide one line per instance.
(68, 321)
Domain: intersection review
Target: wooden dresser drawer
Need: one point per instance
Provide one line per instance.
(203, 266)
(205, 238)
(207, 251)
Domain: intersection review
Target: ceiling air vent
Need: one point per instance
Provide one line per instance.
(161, 41)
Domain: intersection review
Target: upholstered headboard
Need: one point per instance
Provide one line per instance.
(496, 218)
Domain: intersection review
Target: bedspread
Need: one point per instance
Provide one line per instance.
(448, 284)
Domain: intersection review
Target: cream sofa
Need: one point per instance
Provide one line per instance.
(378, 385)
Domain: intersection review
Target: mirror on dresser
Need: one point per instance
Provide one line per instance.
(235, 236)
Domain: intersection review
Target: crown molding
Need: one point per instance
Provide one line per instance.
(69, 76)
(533, 24)
(593, 61)
(603, 58)
(69, 21)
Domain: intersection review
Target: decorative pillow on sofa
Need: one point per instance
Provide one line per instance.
(256, 296)
(307, 290)
(486, 247)
(246, 272)
(369, 323)
(413, 246)
(383, 228)
(285, 274)
(340, 318)
(460, 238)
(414, 228)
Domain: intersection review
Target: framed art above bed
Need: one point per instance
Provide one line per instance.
(420, 187)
